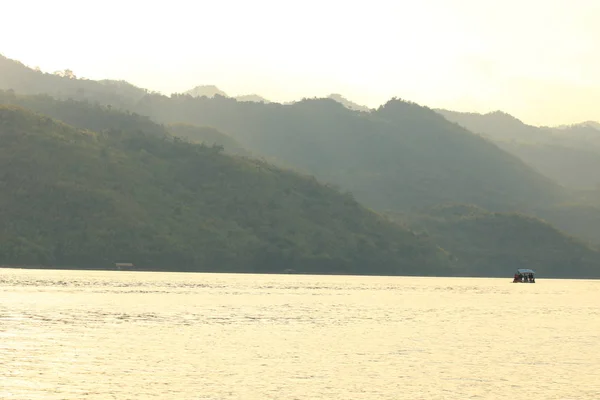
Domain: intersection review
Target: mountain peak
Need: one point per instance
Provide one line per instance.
(206, 91)
(252, 98)
(347, 103)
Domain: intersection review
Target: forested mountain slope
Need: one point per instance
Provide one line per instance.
(83, 198)
(491, 244)
(397, 157)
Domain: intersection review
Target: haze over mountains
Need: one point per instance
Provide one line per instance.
(568, 154)
(402, 159)
(212, 91)
(84, 198)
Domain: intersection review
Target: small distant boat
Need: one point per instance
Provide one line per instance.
(524, 275)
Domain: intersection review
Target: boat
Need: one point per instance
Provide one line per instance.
(524, 275)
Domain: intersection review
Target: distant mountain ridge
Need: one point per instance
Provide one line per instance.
(75, 197)
(569, 154)
(85, 115)
(212, 91)
(252, 98)
(398, 157)
(14, 75)
(485, 242)
(206, 90)
(591, 124)
(347, 103)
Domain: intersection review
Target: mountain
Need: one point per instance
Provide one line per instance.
(397, 157)
(212, 91)
(581, 219)
(490, 244)
(88, 199)
(586, 124)
(206, 91)
(208, 136)
(572, 167)
(593, 124)
(85, 115)
(379, 157)
(568, 154)
(252, 98)
(495, 125)
(347, 103)
(65, 85)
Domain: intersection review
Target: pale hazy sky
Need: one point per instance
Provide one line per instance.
(536, 59)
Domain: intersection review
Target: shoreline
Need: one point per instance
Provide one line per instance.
(209, 271)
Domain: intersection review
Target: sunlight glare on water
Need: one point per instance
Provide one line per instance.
(137, 335)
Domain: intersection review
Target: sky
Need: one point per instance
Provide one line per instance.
(538, 60)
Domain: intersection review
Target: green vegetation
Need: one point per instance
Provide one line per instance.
(206, 91)
(122, 188)
(397, 157)
(65, 85)
(571, 167)
(490, 244)
(570, 154)
(93, 116)
(347, 103)
(84, 114)
(208, 136)
(84, 198)
(579, 219)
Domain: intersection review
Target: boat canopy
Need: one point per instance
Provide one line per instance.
(525, 271)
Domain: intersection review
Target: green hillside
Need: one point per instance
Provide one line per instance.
(84, 114)
(495, 244)
(400, 157)
(397, 157)
(579, 219)
(496, 125)
(82, 198)
(96, 117)
(569, 154)
(206, 135)
(65, 85)
(572, 167)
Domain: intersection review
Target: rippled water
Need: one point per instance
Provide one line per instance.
(135, 335)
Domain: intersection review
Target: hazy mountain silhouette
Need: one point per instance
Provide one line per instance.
(24, 80)
(568, 154)
(207, 135)
(495, 125)
(206, 90)
(252, 98)
(486, 243)
(85, 115)
(581, 219)
(586, 124)
(212, 91)
(84, 198)
(399, 156)
(347, 103)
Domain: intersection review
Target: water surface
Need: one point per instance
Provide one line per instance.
(136, 335)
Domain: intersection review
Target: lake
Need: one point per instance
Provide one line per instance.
(152, 335)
